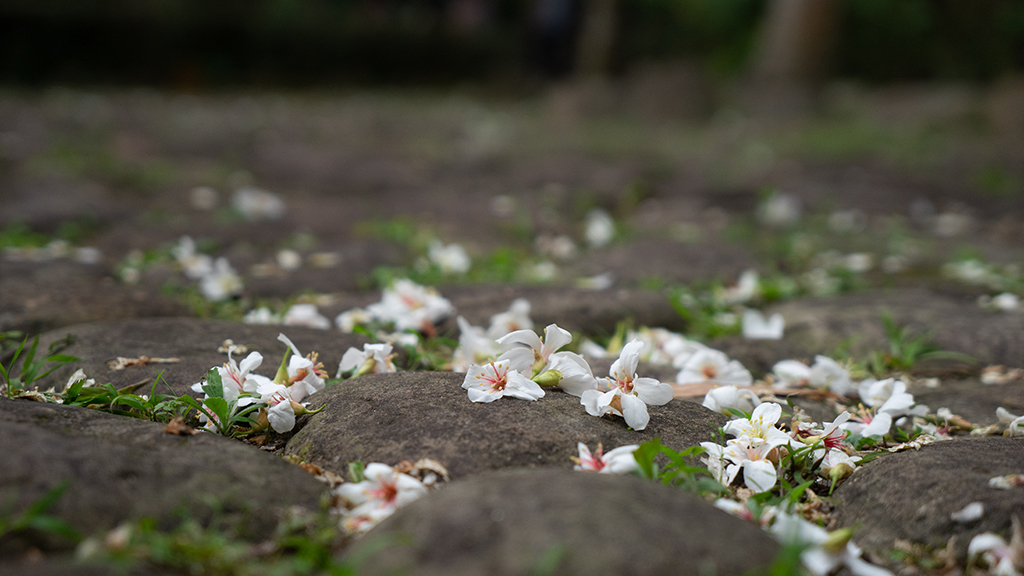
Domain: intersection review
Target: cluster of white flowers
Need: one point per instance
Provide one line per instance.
(754, 452)
(529, 362)
(477, 345)
(218, 281)
(281, 398)
(405, 304)
(755, 443)
(376, 491)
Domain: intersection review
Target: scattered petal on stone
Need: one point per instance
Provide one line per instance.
(1007, 482)
(1000, 375)
(914, 444)
(970, 513)
(427, 470)
(120, 363)
(230, 346)
(324, 259)
(203, 198)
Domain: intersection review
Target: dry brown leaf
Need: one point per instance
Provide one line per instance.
(120, 363)
(178, 427)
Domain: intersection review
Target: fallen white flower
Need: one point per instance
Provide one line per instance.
(495, 380)
(222, 282)
(756, 327)
(617, 461)
(969, 513)
(600, 228)
(255, 204)
(451, 258)
(712, 366)
(306, 315)
(720, 398)
(261, 315)
(372, 359)
(289, 259)
(1007, 481)
(517, 317)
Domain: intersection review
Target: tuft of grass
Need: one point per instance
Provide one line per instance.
(24, 370)
(35, 517)
(906, 350)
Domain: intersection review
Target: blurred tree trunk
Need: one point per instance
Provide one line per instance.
(597, 38)
(797, 40)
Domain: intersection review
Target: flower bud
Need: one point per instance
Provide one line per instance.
(548, 378)
(366, 368)
(262, 421)
(837, 540)
(840, 472)
(299, 409)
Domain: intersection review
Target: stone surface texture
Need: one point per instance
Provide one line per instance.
(562, 522)
(411, 415)
(119, 468)
(910, 495)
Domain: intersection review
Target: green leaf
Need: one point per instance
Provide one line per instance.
(74, 390)
(48, 500)
(54, 526)
(214, 388)
(219, 407)
(131, 401)
(644, 456)
(355, 472)
(27, 369)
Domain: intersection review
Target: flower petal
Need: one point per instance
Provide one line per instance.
(759, 475)
(634, 411)
(652, 392)
(554, 338)
(520, 386)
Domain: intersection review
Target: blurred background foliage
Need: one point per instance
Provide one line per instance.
(217, 43)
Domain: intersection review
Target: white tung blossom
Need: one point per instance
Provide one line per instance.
(517, 317)
(475, 346)
(306, 315)
(712, 366)
(194, 264)
(383, 491)
(450, 258)
(627, 394)
(600, 228)
(617, 461)
(756, 327)
(222, 282)
(411, 306)
(255, 204)
(372, 359)
(495, 380)
(720, 398)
